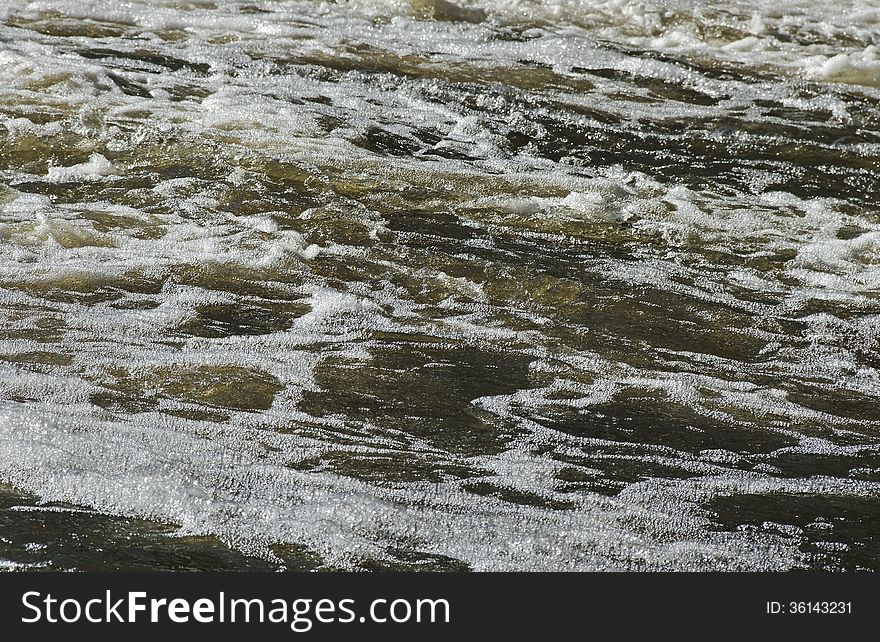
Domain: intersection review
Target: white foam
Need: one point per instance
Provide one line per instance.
(857, 67)
(254, 500)
(95, 168)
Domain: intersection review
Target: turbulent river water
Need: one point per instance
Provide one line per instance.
(493, 285)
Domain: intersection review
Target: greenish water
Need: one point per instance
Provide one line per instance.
(411, 285)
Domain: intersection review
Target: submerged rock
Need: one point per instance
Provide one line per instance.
(448, 11)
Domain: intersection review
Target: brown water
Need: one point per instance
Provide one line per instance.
(499, 285)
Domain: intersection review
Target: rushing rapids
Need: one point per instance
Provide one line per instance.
(502, 284)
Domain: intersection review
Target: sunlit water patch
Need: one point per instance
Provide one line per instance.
(425, 285)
